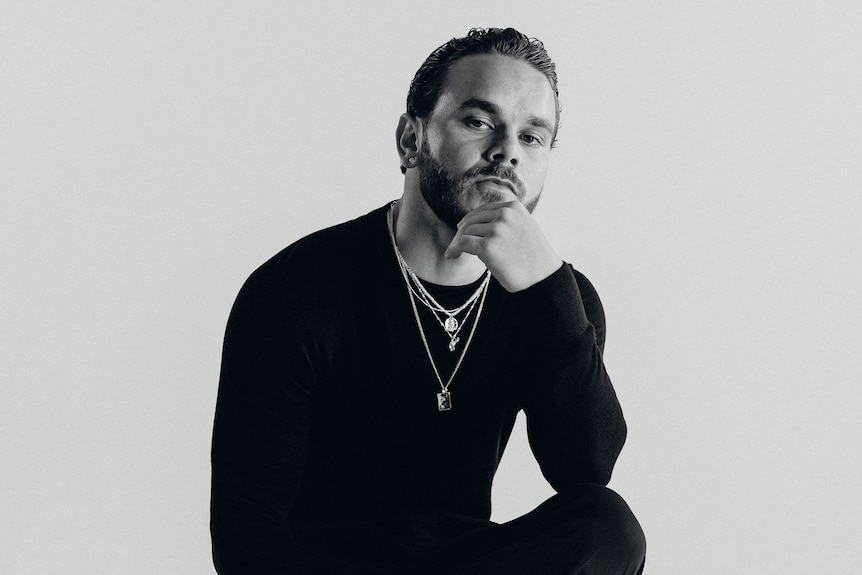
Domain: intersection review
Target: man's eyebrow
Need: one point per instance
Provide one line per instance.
(540, 123)
(483, 105)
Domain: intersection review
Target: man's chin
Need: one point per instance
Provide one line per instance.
(486, 195)
(505, 197)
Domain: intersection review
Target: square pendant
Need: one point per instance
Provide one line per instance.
(444, 401)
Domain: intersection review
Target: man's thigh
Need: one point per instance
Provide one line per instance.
(589, 530)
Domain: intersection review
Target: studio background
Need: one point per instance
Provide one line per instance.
(707, 180)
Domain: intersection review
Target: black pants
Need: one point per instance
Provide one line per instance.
(589, 531)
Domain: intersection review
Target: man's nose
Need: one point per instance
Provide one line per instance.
(504, 150)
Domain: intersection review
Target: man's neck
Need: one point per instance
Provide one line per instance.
(422, 240)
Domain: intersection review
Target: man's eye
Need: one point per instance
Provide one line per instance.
(477, 123)
(531, 139)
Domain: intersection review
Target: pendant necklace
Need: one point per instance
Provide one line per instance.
(444, 397)
(451, 325)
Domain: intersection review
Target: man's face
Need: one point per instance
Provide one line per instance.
(488, 138)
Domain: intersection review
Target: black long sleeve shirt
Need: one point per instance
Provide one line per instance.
(327, 410)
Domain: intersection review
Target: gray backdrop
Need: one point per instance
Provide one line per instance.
(707, 180)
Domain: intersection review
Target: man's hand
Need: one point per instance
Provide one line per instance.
(509, 242)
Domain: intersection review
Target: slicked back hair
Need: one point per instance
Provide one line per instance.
(429, 79)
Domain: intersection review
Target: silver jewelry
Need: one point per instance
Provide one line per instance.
(432, 303)
(451, 325)
(444, 398)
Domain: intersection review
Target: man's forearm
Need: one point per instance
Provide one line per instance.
(575, 422)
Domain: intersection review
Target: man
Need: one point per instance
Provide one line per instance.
(372, 372)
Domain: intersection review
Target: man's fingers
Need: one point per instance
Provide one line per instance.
(480, 229)
(470, 230)
(475, 217)
(491, 206)
(464, 244)
(484, 213)
(476, 228)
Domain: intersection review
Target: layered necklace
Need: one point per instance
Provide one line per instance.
(447, 318)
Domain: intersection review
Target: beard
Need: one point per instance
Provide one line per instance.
(445, 195)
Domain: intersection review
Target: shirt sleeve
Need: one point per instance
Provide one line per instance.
(574, 421)
(260, 431)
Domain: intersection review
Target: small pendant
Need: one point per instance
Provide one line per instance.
(450, 325)
(453, 342)
(444, 401)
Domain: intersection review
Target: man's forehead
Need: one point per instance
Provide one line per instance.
(498, 83)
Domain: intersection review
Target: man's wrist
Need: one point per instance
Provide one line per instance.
(554, 310)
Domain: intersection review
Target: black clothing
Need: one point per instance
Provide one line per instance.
(327, 424)
(587, 530)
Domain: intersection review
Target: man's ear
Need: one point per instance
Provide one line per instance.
(408, 134)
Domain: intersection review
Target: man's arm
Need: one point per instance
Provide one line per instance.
(574, 421)
(260, 432)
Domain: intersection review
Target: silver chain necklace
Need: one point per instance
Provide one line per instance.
(432, 304)
(444, 398)
(451, 325)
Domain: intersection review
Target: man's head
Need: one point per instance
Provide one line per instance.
(482, 116)
(431, 76)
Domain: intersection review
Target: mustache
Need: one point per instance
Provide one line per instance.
(496, 171)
